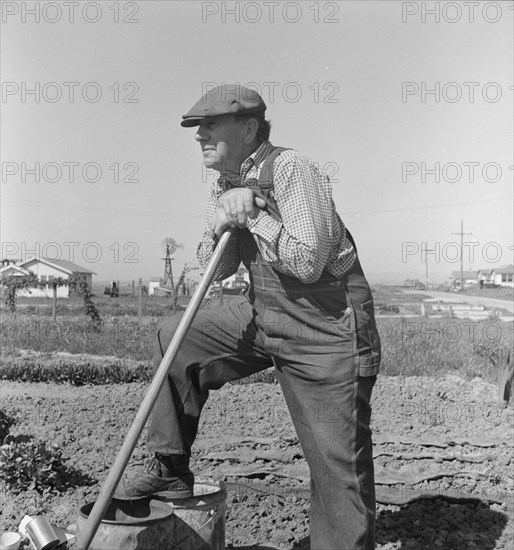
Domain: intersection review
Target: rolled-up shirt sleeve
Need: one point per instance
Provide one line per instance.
(299, 245)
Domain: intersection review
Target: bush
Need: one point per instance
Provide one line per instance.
(28, 463)
(77, 374)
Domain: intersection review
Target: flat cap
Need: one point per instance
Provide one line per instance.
(227, 99)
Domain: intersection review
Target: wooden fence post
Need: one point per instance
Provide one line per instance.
(54, 303)
(139, 300)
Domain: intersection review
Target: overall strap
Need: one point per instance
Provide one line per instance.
(266, 176)
(265, 183)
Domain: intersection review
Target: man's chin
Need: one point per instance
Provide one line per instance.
(211, 164)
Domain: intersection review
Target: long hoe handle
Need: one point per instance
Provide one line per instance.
(86, 535)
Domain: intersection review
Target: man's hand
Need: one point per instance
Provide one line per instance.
(235, 207)
(240, 204)
(219, 223)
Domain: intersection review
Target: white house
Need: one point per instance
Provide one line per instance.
(46, 270)
(495, 277)
(154, 287)
(503, 276)
(484, 276)
(239, 280)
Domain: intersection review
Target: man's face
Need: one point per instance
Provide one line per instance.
(222, 141)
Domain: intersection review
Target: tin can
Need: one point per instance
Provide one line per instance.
(42, 534)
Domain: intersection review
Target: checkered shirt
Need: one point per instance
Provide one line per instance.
(311, 236)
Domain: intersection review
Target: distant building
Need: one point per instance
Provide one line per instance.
(46, 270)
(470, 278)
(240, 279)
(484, 277)
(154, 286)
(235, 284)
(413, 283)
(503, 276)
(496, 277)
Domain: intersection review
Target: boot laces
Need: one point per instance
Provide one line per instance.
(154, 466)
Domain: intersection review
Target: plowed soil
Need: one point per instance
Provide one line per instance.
(446, 436)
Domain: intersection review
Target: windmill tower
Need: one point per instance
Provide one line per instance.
(169, 247)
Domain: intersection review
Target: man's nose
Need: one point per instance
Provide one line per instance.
(200, 136)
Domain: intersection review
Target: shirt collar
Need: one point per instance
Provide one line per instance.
(256, 157)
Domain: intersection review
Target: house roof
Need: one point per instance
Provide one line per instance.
(465, 274)
(63, 265)
(507, 269)
(20, 271)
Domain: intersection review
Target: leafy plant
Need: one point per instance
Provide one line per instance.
(6, 422)
(175, 306)
(76, 282)
(28, 463)
(80, 286)
(78, 374)
(12, 284)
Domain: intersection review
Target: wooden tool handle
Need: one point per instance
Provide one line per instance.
(85, 537)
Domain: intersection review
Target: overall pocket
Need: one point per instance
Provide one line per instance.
(331, 306)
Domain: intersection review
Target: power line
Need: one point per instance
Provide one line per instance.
(481, 201)
(100, 209)
(182, 215)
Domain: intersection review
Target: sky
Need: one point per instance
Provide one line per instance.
(408, 107)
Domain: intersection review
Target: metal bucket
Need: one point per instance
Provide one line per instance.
(162, 523)
(144, 524)
(199, 521)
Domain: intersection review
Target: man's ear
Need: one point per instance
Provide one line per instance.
(250, 131)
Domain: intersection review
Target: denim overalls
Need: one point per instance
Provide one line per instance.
(353, 283)
(323, 342)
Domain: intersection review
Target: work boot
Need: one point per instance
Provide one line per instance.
(169, 474)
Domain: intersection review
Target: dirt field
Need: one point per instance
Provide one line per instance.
(432, 435)
(442, 444)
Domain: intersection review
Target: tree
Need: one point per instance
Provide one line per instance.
(13, 283)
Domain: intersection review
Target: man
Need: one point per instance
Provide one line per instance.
(308, 312)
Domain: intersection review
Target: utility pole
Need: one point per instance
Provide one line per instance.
(426, 263)
(139, 303)
(461, 253)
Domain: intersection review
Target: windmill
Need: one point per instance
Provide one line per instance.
(169, 247)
